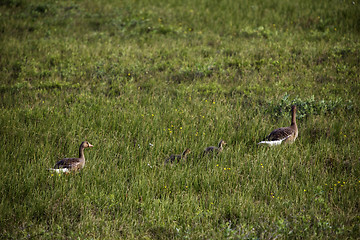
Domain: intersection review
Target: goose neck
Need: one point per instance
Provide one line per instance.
(293, 117)
(81, 152)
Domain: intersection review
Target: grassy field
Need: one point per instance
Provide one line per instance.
(141, 80)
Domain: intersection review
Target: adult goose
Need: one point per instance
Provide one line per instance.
(72, 164)
(284, 134)
(177, 157)
(217, 149)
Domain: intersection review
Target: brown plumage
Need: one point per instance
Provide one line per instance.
(217, 149)
(73, 164)
(284, 134)
(178, 157)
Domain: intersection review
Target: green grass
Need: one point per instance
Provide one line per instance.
(126, 74)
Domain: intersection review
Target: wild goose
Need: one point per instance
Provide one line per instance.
(217, 149)
(284, 134)
(174, 157)
(72, 164)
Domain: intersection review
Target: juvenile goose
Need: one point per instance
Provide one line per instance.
(218, 149)
(174, 157)
(284, 134)
(72, 164)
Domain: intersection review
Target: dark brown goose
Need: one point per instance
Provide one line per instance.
(72, 164)
(284, 134)
(217, 149)
(177, 157)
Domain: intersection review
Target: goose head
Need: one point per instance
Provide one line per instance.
(187, 151)
(86, 144)
(222, 143)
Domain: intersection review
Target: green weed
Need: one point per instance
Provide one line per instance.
(143, 80)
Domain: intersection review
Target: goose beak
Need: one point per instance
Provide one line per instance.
(90, 145)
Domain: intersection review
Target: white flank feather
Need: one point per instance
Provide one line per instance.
(273, 143)
(60, 170)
